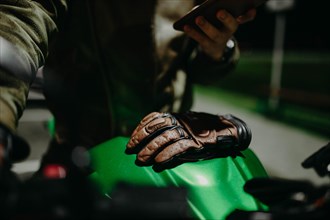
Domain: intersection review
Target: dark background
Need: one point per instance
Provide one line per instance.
(307, 27)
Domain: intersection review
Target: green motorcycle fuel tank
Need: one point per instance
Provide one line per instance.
(215, 186)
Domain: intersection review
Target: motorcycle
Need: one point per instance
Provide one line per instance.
(214, 187)
(232, 187)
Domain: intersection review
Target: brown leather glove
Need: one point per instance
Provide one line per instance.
(165, 140)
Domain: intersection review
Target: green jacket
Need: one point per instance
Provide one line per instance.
(106, 63)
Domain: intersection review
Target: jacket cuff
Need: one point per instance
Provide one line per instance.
(7, 116)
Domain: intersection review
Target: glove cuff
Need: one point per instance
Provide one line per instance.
(17, 149)
(243, 131)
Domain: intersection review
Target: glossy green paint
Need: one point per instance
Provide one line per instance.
(215, 187)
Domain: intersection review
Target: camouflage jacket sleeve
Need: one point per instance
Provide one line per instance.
(26, 28)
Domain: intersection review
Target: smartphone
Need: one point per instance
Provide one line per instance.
(209, 8)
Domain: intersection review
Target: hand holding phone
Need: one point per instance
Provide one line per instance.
(209, 8)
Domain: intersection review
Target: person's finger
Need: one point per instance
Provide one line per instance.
(248, 16)
(229, 22)
(199, 37)
(210, 39)
(209, 30)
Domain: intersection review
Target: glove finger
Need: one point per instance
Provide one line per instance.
(145, 121)
(155, 127)
(157, 144)
(176, 149)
